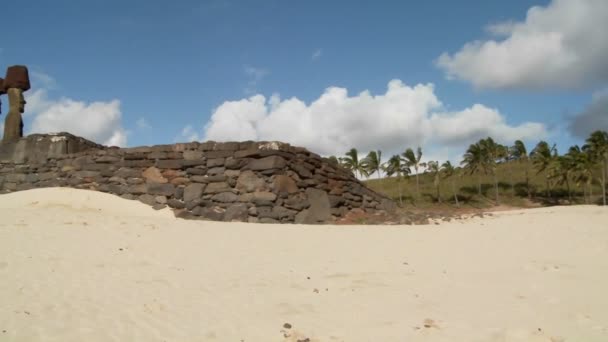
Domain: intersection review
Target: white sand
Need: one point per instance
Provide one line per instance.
(86, 266)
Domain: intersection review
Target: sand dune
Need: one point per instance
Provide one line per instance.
(86, 266)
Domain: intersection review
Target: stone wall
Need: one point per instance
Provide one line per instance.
(267, 182)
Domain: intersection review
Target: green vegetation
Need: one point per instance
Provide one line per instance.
(491, 174)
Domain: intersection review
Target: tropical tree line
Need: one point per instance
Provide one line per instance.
(581, 166)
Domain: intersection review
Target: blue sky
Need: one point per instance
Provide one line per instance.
(150, 72)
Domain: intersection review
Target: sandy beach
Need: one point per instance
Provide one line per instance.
(79, 265)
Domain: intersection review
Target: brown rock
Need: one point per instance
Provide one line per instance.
(217, 187)
(153, 174)
(193, 192)
(160, 189)
(248, 181)
(285, 184)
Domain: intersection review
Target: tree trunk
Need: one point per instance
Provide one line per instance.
(417, 184)
(604, 181)
(528, 183)
(479, 184)
(547, 183)
(438, 194)
(455, 194)
(400, 193)
(568, 189)
(495, 187)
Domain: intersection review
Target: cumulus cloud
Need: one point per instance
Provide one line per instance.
(188, 133)
(593, 118)
(317, 54)
(403, 116)
(560, 45)
(97, 121)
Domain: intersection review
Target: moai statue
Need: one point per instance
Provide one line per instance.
(16, 82)
(2, 92)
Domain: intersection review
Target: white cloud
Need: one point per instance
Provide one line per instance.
(97, 121)
(142, 124)
(593, 118)
(100, 122)
(317, 54)
(187, 134)
(561, 45)
(402, 117)
(255, 76)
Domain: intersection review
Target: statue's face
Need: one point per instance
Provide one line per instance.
(16, 99)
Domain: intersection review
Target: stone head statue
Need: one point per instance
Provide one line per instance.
(2, 92)
(16, 82)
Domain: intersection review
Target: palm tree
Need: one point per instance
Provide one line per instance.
(373, 162)
(351, 162)
(492, 154)
(395, 166)
(583, 171)
(542, 156)
(435, 169)
(449, 172)
(562, 168)
(520, 154)
(597, 147)
(413, 160)
(473, 162)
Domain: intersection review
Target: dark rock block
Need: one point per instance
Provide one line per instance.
(193, 191)
(236, 212)
(271, 162)
(176, 204)
(169, 164)
(164, 189)
(225, 197)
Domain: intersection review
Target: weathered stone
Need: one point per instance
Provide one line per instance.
(161, 199)
(284, 213)
(236, 213)
(193, 191)
(208, 179)
(319, 210)
(272, 162)
(248, 181)
(216, 187)
(232, 173)
(179, 192)
(263, 196)
(388, 205)
(196, 162)
(301, 170)
(180, 181)
(137, 163)
(216, 171)
(218, 154)
(193, 155)
(159, 206)
(267, 220)
(135, 181)
(214, 213)
(157, 155)
(267, 212)
(284, 184)
(135, 155)
(196, 171)
(153, 174)
(108, 159)
(127, 196)
(125, 172)
(160, 188)
(215, 162)
(249, 153)
(15, 177)
(234, 164)
(227, 146)
(147, 199)
(86, 174)
(225, 197)
(297, 202)
(24, 186)
(336, 201)
(169, 164)
(176, 204)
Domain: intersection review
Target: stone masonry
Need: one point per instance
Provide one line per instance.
(266, 182)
